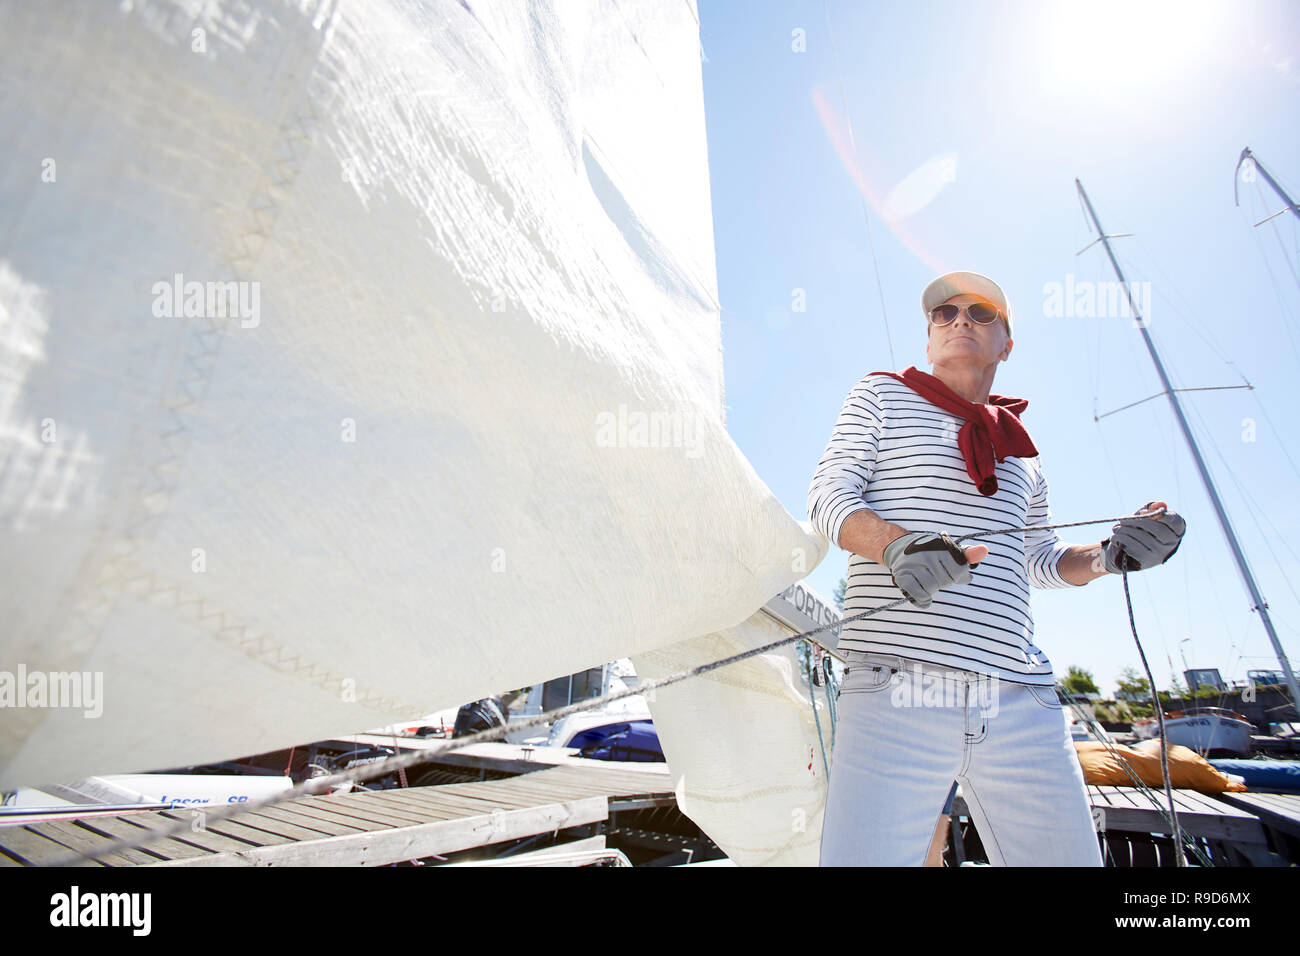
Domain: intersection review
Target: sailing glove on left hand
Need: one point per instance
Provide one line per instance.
(1136, 544)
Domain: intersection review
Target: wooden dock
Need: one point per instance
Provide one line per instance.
(1278, 814)
(560, 793)
(357, 829)
(1233, 833)
(1128, 808)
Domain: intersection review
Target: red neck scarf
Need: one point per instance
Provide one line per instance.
(992, 430)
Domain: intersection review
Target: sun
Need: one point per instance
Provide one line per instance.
(1119, 50)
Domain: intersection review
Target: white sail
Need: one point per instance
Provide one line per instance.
(748, 753)
(356, 360)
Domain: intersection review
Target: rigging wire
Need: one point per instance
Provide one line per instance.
(1295, 234)
(1176, 464)
(1110, 462)
(1188, 313)
(1277, 436)
(1207, 574)
(1103, 737)
(1141, 371)
(1114, 477)
(1286, 256)
(1189, 321)
(1096, 376)
(1283, 305)
(1162, 426)
(1252, 506)
(1188, 317)
(1254, 510)
(318, 785)
(857, 168)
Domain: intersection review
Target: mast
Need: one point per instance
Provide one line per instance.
(1245, 155)
(1258, 602)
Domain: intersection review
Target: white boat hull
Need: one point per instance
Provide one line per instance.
(1201, 732)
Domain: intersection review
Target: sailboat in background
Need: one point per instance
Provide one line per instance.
(1205, 728)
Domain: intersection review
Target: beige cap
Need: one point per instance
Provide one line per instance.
(964, 283)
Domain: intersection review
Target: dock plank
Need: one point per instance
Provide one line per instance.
(1113, 797)
(216, 835)
(1206, 802)
(329, 827)
(613, 778)
(369, 810)
(361, 816)
(35, 848)
(559, 789)
(483, 792)
(241, 829)
(466, 805)
(451, 801)
(338, 815)
(168, 848)
(81, 840)
(1211, 821)
(430, 839)
(614, 775)
(362, 826)
(534, 791)
(436, 807)
(1130, 809)
(1281, 811)
(425, 796)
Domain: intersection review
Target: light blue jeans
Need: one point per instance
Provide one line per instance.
(906, 730)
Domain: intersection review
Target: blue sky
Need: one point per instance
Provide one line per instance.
(972, 121)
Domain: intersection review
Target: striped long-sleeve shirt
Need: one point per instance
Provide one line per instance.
(896, 453)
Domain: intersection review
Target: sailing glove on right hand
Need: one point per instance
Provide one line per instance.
(1136, 544)
(922, 563)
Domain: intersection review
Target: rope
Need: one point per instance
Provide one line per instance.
(1138, 783)
(1069, 524)
(318, 785)
(809, 671)
(1160, 715)
(832, 693)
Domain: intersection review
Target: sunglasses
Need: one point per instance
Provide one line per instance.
(979, 313)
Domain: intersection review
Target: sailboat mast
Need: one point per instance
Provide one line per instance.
(1290, 204)
(1258, 601)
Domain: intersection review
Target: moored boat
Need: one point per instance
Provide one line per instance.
(1204, 729)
